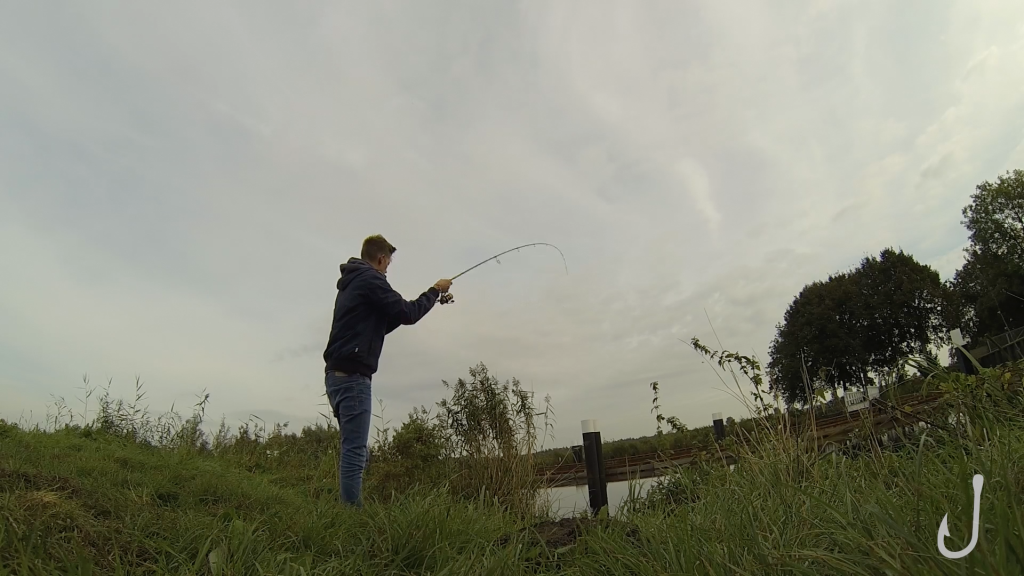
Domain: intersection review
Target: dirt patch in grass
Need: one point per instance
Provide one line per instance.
(557, 534)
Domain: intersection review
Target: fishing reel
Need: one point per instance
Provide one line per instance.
(446, 298)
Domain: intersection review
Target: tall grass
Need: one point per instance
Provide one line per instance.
(131, 496)
(479, 445)
(789, 508)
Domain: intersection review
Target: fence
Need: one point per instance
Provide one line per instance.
(997, 350)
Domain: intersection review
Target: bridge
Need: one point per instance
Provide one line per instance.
(831, 432)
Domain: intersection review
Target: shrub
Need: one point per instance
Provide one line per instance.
(479, 445)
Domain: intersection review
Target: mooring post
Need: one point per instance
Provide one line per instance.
(594, 459)
(716, 419)
(963, 362)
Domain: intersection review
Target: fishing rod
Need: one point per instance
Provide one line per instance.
(447, 297)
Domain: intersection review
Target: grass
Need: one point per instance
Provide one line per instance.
(95, 499)
(75, 499)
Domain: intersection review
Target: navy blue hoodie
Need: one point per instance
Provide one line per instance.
(366, 309)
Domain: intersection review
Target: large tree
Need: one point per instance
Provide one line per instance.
(987, 293)
(817, 345)
(856, 327)
(901, 306)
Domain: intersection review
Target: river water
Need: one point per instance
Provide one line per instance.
(565, 501)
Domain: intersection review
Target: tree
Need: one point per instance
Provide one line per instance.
(986, 296)
(995, 218)
(901, 303)
(856, 327)
(818, 343)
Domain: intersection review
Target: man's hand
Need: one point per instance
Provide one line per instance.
(443, 285)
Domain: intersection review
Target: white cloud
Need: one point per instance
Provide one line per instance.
(696, 181)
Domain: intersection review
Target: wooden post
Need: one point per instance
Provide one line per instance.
(716, 419)
(594, 459)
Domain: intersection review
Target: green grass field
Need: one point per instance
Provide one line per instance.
(81, 500)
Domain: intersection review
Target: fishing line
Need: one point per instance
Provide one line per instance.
(446, 298)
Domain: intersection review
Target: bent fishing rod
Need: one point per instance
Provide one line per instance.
(447, 297)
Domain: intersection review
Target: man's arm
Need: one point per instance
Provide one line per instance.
(392, 325)
(399, 310)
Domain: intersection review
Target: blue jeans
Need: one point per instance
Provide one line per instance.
(351, 402)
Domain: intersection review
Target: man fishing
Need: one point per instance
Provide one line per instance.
(366, 309)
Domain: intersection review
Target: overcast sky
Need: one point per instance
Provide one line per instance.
(178, 185)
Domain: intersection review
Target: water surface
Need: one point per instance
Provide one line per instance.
(565, 501)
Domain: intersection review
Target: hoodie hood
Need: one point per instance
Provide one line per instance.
(353, 268)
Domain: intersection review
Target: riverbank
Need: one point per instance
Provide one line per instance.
(79, 498)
